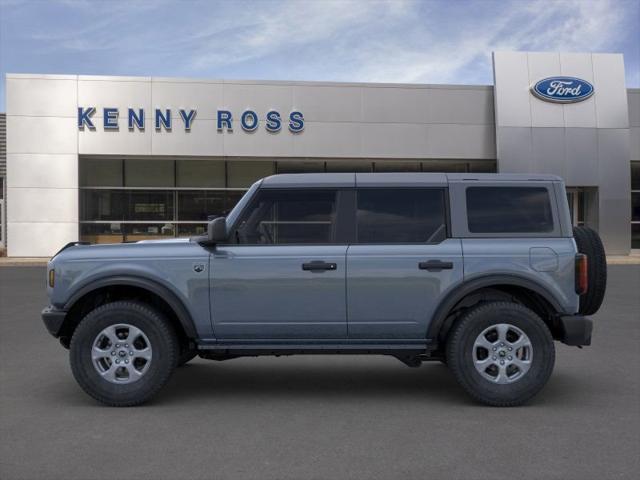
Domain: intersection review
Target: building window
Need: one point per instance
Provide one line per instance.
(299, 167)
(200, 205)
(337, 166)
(149, 173)
(635, 205)
(128, 199)
(391, 166)
(101, 172)
(241, 174)
(200, 174)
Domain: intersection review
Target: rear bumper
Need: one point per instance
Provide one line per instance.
(575, 330)
(53, 319)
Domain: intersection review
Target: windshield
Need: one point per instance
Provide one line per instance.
(233, 214)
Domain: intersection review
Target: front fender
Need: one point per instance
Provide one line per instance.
(171, 297)
(167, 271)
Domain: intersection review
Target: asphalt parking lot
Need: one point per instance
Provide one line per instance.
(313, 417)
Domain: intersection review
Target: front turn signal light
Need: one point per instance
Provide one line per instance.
(52, 277)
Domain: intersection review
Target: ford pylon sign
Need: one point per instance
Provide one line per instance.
(562, 89)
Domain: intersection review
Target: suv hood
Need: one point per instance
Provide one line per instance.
(85, 251)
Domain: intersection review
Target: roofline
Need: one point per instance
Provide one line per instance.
(348, 180)
(145, 79)
(230, 81)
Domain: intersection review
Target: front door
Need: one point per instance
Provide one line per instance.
(401, 264)
(284, 276)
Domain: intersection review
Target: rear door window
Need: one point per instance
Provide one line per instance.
(509, 210)
(397, 215)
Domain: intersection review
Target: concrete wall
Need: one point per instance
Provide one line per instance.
(342, 120)
(587, 143)
(42, 164)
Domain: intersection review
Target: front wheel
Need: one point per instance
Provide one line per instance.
(122, 353)
(501, 353)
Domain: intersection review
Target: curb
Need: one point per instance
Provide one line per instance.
(23, 262)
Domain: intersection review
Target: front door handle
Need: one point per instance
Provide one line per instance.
(319, 266)
(435, 265)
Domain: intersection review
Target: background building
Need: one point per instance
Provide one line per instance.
(3, 183)
(111, 159)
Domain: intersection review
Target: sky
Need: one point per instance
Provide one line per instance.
(400, 41)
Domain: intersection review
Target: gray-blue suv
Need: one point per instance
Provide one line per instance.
(479, 271)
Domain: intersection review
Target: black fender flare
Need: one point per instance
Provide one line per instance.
(183, 315)
(458, 293)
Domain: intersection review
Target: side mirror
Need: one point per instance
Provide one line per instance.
(217, 230)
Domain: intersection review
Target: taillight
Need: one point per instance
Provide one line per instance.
(582, 277)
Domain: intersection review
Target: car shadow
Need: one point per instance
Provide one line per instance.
(245, 379)
(248, 377)
(433, 382)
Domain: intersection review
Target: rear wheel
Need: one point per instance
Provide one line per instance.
(501, 353)
(588, 242)
(122, 353)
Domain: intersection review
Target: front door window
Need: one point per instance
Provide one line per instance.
(289, 217)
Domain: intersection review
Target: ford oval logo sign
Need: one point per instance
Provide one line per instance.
(562, 89)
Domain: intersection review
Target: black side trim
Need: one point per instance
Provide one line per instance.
(470, 286)
(260, 349)
(163, 292)
(53, 319)
(69, 245)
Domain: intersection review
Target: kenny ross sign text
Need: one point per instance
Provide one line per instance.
(225, 120)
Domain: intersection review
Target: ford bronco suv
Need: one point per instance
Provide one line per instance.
(479, 271)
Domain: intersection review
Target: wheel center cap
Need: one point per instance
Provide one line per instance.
(502, 353)
(122, 353)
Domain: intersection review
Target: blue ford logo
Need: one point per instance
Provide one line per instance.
(562, 89)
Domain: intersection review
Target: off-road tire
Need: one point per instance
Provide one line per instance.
(588, 242)
(460, 353)
(161, 337)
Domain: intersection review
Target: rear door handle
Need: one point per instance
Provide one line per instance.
(319, 266)
(435, 265)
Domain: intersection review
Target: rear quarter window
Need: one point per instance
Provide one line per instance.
(509, 210)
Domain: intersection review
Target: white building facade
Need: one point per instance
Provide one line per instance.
(111, 159)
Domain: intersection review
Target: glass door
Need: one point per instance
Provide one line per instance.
(576, 199)
(2, 242)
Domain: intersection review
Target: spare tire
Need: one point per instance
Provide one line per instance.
(588, 242)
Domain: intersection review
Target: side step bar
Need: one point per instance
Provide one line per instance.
(411, 354)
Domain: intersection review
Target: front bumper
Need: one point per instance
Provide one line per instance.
(53, 319)
(575, 330)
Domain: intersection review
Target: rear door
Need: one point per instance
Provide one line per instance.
(401, 263)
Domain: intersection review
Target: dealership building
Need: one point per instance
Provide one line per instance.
(113, 159)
